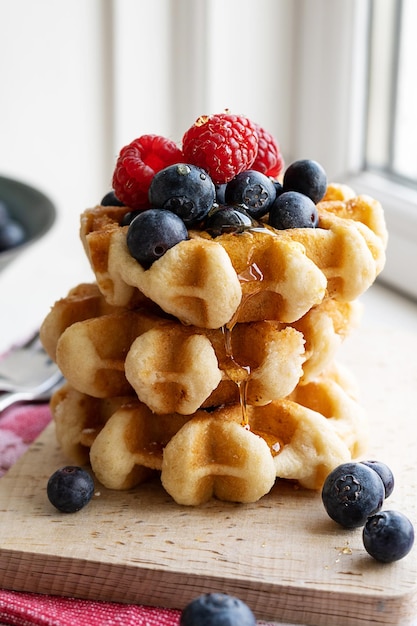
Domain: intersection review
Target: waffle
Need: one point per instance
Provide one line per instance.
(308, 434)
(324, 329)
(82, 302)
(204, 290)
(302, 438)
(79, 418)
(108, 352)
(259, 274)
(349, 245)
(182, 370)
(173, 368)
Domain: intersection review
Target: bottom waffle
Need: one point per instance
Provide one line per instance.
(226, 453)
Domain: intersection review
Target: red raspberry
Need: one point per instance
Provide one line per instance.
(137, 164)
(269, 159)
(222, 144)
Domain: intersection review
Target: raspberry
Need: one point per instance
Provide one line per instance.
(223, 144)
(138, 162)
(269, 159)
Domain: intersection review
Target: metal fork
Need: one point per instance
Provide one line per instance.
(27, 373)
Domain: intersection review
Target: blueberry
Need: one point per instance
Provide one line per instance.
(129, 217)
(110, 199)
(220, 193)
(279, 189)
(384, 473)
(12, 234)
(70, 488)
(252, 189)
(186, 190)
(388, 536)
(351, 493)
(227, 219)
(307, 177)
(293, 210)
(217, 609)
(152, 233)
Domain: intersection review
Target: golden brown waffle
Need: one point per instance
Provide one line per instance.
(324, 329)
(302, 437)
(349, 245)
(131, 443)
(181, 369)
(177, 368)
(203, 287)
(308, 434)
(82, 302)
(79, 418)
(251, 276)
(208, 278)
(338, 191)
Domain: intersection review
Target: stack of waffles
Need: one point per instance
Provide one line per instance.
(215, 368)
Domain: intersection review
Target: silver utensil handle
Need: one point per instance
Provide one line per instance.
(42, 394)
(10, 398)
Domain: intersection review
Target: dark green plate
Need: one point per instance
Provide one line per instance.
(31, 208)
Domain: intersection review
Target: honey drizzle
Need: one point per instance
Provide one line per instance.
(252, 273)
(243, 386)
(240, 374)
(235, 371)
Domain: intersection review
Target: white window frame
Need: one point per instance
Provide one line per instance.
(338, 115)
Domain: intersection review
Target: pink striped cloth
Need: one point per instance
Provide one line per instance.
(19, 426)
(26, 609)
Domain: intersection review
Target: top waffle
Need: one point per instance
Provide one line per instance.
(263, 273)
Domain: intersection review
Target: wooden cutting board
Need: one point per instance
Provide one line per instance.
(282, 555)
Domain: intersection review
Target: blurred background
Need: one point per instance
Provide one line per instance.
(332, 80)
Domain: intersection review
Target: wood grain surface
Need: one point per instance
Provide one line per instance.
(282, 555)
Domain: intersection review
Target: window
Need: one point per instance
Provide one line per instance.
(391, 139)
(389, 169)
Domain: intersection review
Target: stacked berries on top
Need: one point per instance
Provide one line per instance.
(205, 349)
